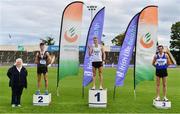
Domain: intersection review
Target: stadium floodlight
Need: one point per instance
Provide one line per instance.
(92, 8)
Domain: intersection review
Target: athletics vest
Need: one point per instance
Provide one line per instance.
(97, 54)
(42, 58)
(161, 61)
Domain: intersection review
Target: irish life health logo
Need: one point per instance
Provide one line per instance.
(70, 35)
(146, 40)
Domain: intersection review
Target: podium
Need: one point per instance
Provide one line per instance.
(98, 98)
(41, 100)
(162, 104)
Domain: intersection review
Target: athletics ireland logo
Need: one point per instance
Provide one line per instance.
(146, 40)
(70, 35)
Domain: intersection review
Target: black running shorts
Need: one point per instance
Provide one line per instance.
(161, 73)
(42, 70)
(97, 64)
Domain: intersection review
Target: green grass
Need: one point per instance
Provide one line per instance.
(70, 99)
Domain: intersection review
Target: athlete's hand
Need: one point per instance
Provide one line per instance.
(90, 50)
(89, 47)
(104, 62)
(37, 54)
(155, 64)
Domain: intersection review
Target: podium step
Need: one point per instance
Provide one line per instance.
(98, 98)
(162, 104)
(41, 100)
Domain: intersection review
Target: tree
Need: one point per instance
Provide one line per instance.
(102, 43)
(118, 40)
(175, 41)
(48, 41)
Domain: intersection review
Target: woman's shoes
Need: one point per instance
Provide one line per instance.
(13, 105)
(18, 105)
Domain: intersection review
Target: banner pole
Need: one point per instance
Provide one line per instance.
(83, 92)
(134, 94)
(135, 73)
(57, 90)
(114, 93)
(135, 60)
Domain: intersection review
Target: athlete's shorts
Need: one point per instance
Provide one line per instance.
(97, 64)
(42, 70)
(161, 73)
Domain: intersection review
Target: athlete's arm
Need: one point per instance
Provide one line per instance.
(90, 50)
(154, 61)
(168, 59)
(36, 58)
(48, 58)
(103, 53)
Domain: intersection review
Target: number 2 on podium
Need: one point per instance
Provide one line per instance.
(40, 99)
(98, 96)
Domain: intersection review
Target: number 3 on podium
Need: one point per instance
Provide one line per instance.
(98, 96)
(40, 99)
(164, 104)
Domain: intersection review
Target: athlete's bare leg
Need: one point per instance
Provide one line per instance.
(157, 87)
(94, 77)
(39, 81)
(164, 80)
(46, 80)
(100, 77)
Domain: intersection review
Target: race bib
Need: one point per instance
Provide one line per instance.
(161, 62)
(43, 62)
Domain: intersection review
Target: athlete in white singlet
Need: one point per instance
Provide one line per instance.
(98, 57)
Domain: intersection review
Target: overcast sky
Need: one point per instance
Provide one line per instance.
(29, 20)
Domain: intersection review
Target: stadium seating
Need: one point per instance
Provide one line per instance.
(9, 57)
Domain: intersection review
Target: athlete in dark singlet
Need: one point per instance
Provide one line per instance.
(161, 61)
(42, 60)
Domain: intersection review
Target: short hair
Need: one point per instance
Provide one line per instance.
(18, 59)
(95, 37)
(41, 44)
(160, 46)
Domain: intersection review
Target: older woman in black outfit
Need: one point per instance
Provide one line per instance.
(17, 75)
